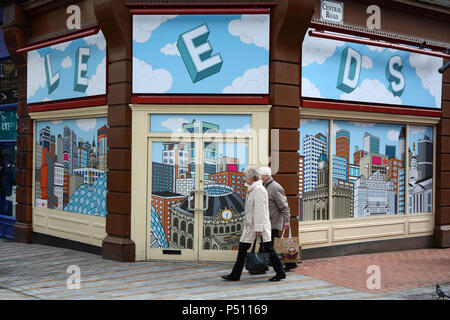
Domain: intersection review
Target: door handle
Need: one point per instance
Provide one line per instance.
(191, 193)
(205, 202)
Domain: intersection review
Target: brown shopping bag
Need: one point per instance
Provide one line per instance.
(287, 248)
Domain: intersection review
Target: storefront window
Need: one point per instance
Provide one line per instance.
(8, 168)
(368, 169)
(71, 165)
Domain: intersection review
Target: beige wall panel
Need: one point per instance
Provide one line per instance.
(318, 235)
(420, 225)
(72, 226)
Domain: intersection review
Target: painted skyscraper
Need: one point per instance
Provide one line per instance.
(313, 147)
(371, 143)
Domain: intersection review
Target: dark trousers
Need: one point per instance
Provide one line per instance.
(242, 252)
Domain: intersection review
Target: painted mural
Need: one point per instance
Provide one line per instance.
(201, 54)
(367, 169)
(363, 73)
(72, 69)
(71, 165)
(420, 184)
(174, 176)
(314, 169)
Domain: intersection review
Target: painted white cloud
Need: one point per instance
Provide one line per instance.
(66, 63)
(380, 49)
(144, 25)
(170, 49)
(362, 124)
(426, 69)
(305, 121)
(317, 50)
(366, 62)
(251, 29)
(336, 128)
(97, 39)
(174, 124)
(97, 83)
(309, 89)
(392, 135)
(86, 124)
(46, 99)
(372, 90)
(255, 80)
(36, 73)
(57, 122)
(417, 129)
(147, 80)
(245, 129)
(61, 46)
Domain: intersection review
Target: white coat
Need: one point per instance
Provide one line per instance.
(257, 217)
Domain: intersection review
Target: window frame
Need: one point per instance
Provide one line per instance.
(343, 115)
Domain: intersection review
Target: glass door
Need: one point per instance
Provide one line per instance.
(224, 187)
(173, 200)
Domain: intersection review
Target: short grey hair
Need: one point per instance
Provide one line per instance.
(265, 171)
(253, 173)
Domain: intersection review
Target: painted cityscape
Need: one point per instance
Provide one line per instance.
(420, 187)
(174, 174)
(368, 169)
(71, 165)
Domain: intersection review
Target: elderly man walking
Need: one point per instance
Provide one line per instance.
(278, 207)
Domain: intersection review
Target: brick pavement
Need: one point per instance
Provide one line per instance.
(399, 270)
(32, 271)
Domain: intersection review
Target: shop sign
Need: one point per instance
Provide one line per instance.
(72, 69)
(332, 11)
(201, 54)
(8, 125)
(349, 71)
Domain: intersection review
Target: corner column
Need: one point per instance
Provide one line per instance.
(442, 217)
(288, 25)
(114, 20)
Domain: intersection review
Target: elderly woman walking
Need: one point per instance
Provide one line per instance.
(257, 224)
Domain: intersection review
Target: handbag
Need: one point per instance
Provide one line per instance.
(257, 262)
(288, 249)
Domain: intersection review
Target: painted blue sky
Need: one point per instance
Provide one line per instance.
(417, 133)
(158, 67)
(388, 133)
(323, 57)
(63, 60)
(85, 129)
(228, 123)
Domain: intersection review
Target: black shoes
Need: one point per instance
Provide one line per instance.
(278, 277)
(229, 278)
